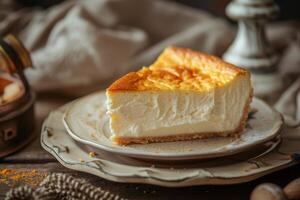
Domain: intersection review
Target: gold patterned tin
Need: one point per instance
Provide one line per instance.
(17, 99)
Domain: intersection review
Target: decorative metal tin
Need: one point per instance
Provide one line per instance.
(16, 116)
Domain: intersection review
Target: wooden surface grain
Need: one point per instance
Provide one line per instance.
(34, 157)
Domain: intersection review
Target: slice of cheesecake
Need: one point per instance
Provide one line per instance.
(184, 95)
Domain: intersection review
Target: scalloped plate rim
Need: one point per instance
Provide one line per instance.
(220, 179)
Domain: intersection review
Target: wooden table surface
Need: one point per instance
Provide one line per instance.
(35, 157)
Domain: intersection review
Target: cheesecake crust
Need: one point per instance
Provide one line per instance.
(179, 69)
(146, 140)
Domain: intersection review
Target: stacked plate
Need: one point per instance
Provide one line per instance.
(77, 134)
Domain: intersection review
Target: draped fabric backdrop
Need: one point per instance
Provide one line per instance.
(77, 45)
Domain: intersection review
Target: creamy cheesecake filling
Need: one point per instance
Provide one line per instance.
(169, 113)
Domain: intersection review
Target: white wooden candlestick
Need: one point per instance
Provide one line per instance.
(251, 49)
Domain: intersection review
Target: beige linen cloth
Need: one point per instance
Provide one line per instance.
(77, 46)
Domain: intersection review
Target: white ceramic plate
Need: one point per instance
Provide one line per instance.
(86, 121)
(228, 170)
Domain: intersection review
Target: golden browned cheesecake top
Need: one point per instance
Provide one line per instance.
(180, 69)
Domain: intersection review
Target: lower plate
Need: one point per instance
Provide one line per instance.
(228, 170)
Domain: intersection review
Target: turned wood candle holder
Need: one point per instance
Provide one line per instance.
(251, 49)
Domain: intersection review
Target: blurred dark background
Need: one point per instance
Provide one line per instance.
(290, 9)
